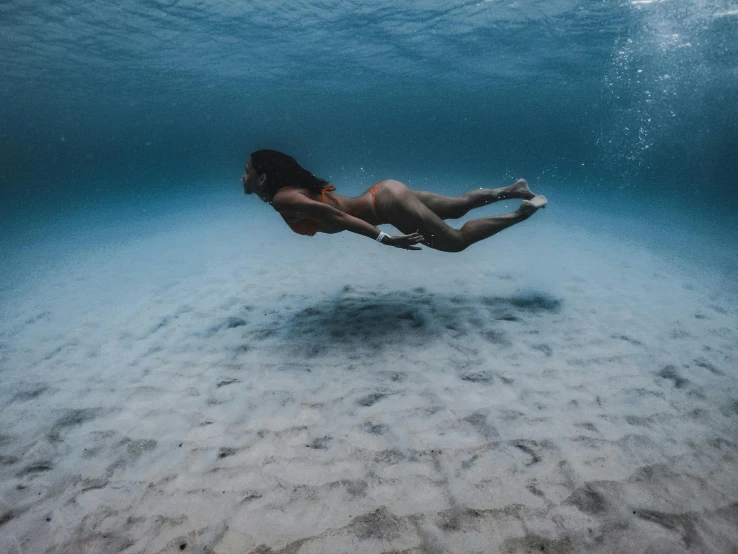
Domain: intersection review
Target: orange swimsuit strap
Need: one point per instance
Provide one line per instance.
(326, 191)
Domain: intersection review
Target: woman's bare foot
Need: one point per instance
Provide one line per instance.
(519, 189)
(529, 207)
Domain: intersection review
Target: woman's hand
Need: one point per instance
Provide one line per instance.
(404, 241)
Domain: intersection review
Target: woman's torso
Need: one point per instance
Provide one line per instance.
(359, 206)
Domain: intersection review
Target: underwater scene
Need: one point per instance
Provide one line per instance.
(322, 277)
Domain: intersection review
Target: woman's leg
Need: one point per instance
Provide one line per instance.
(480, 229)
(454, 207)
(402, 208)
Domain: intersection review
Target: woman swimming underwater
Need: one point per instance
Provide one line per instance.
(307, 205)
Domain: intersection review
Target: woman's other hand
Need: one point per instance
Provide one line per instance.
(404, 241)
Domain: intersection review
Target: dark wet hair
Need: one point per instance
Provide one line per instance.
(283, 171)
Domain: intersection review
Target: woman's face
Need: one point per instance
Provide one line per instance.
(253, 181)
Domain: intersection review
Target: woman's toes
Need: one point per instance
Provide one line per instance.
(532, 205)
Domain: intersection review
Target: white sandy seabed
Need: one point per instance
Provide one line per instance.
(227, 386)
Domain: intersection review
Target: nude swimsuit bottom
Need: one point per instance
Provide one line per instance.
(309, 226)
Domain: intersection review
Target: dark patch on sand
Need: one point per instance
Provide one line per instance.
(251, 495)
(320, 443)
(227, 381)
(264, 333)
(414, 316)
(37, 467)
(483, 377)
(374, 428)
(546, 349)
(628, 339)
(163, 323)
(371, 399)
(703, 363)
(389, 457)
(685, 524)
(679, 334)
(587, 500)
(731, 409)
(588, 426)
(510, 415)
(6, 516)
(532, 487)
(294, 367)
(93, 484)
(228, 323)
(507, 317)
(73, 418)
(536, 543)
(356, 488)
(466, 464)
(57, 350)
(641, 393)
(529, 447)
(379, 525)
(136, 447)
(479, 421)
(38, 317)
(291, 548)
(30, 393)
(368, 322)
(395, 376)
(536, 302)
(262, 549)
(497, 337)
(670, 372)
(225, 452)
(233, 322)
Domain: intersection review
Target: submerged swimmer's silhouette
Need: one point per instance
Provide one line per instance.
(307, 205)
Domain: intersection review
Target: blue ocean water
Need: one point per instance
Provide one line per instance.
(137, 99)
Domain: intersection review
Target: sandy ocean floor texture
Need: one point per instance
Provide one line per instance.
(545, 391)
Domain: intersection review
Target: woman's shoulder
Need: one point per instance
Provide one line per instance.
(281, 200)
(289, 191)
